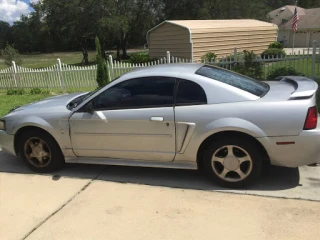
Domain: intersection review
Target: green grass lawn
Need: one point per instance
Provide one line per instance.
(302, 66)
(49, 59)
(7, 102)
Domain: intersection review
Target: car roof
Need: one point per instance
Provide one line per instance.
(190, 68)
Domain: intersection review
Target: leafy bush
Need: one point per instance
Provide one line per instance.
(273, 52)
(46, 92)
(35, 91)
(16, 91)
(231, 58)
(139, 58)
(249, 67)
(209, 57)
(277, 45)
(11, 54)
(102, 68)
(283, 71)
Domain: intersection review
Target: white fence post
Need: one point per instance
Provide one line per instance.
(235, 55)
(111, 70)
(14, 73)
(168, 57)
(313, 65)
(61, 76)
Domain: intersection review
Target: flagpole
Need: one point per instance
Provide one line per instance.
(294, 38)
(294, 32)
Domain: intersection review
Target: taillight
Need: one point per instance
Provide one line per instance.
(312, 119)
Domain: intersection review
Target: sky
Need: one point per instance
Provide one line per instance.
(11, 10)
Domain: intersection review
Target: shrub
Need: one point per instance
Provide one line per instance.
(277, 45)
(231, 58)
(16, 91)
(45, 92)
(273, 52)
(249, 67)
(139, 58)
(209, 57)
(283, 71)
(35, 91)
(11, 54)
(102, 68)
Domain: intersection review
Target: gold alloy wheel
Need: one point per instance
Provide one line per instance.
(37, 152)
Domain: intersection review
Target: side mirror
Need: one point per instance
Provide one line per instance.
(90, 108)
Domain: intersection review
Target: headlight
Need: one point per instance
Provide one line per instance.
(2, 125)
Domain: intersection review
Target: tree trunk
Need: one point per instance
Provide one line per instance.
(103, 51)
(103, 48)
(118, 51)
(85, 60)
(124, 52)
(124, 44)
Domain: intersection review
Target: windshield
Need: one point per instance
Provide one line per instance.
(236, 80)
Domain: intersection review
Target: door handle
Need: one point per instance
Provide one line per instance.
(156, 119)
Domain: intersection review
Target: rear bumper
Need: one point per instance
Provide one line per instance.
(7, 142)
(304, 151)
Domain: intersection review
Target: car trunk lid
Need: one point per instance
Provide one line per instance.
(304, 87)
(291, 88)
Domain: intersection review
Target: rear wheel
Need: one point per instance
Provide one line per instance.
(40, 151)
(233, 162)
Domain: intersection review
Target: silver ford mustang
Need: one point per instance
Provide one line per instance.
(191, 116)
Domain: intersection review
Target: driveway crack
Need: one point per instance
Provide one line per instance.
(62, 206)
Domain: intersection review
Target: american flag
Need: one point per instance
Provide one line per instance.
(295, 20)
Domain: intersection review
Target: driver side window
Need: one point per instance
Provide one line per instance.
(136, 93)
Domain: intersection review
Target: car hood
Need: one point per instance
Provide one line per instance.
(55, 101)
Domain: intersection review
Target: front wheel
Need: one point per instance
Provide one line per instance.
(40, 151)
(233, 162)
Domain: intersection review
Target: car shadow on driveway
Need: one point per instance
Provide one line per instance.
(277, 178)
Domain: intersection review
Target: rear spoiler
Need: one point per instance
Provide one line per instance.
(304, 87)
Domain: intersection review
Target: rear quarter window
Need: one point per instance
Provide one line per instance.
(236, 80)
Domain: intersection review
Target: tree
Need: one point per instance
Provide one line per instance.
(215, 9)
(57, 25)
(74, 21)
(23, 38)
(102, 71)
(11, 54)
(4, 34)
(126, 17)
(309, 3)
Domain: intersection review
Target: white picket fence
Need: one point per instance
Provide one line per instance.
(59, 76)
(117, 68)
(63, 77)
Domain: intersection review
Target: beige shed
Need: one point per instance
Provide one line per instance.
(192, 39)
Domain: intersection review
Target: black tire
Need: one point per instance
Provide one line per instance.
(246, 144)
(56, 157)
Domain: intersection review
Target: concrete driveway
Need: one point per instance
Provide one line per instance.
(109, 202)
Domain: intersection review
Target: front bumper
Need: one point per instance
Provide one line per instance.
(7, 142)
(304, 151)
